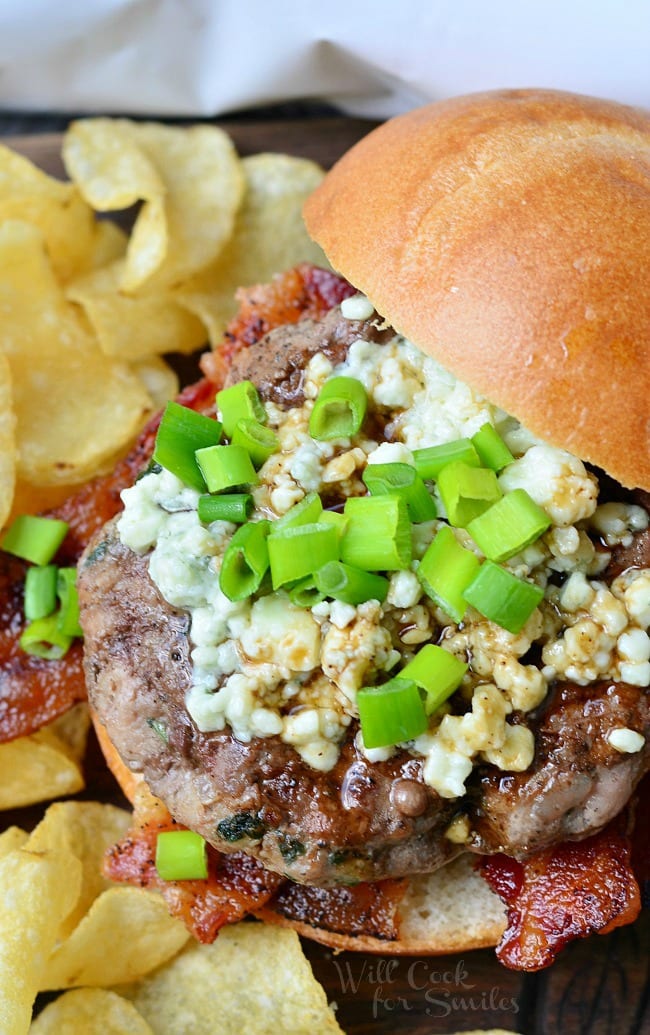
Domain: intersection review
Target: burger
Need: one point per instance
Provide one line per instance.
(381, 615)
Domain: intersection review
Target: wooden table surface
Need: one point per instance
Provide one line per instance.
(597, 987)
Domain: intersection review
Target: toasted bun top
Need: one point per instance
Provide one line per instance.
(507, 234)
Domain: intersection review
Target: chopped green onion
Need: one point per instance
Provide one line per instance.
(35, 539)
(512, 523)
(446, 570)
(306, 512)
(333, 517)
(300, 550)
(181, 433)
(234, 506)
(40, 592)
(391, 714)
(226, 467)
(467, 491)
(245, 561)
(401, 480)
(491, 448)
(436, 671)
(69, 613)
(306, 593)
(339, 409)
(259, 442)
(181, 855)
(378, 536)
(351, 585)
(502, 597)
(429, 462)
(240, 402)
(45, 639)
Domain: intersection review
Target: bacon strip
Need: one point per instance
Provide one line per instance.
(570, 891)
(359, 910)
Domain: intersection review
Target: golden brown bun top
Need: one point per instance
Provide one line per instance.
(507, 234)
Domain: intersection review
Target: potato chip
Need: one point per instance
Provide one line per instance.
(72, 729)
(253, 978)
(133, 327)
(57, 209)
(7, 443)
(39, 890)
(269, 236)
(90, 1011)
(75, 407)
(126, 933)
(159, 379)
(109, 243)
(189, 181)
(37, 768)
(11, 839)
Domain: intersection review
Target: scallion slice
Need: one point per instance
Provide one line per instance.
(351, 585)
(236, 507)
(378, 536)
(430, 461)
(491, 448)
(446, 570)
(181, 855)
(300, 550)
(502, 597)
(512, 523)
(240, 402)
(333, 517)
(40, 592)
(259, 442)
(45, 639)
(226, 467)
(436, 671)
(401, 480)
(67, 592)
(308, 510)
(181, 433)
(306, 593)
(392, 713)
(467, 491)
(35, 539)
(245, 561)
(339, 409)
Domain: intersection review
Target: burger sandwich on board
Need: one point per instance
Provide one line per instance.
(382, 614)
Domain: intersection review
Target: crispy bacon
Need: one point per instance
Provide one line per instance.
(362, 909)
(570, 891)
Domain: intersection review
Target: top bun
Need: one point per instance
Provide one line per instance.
(507, 234)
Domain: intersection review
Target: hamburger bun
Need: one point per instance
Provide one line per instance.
(507, 234)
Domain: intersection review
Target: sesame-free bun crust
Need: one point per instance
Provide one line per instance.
(507, 234)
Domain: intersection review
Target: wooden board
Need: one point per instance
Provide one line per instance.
(597, 987)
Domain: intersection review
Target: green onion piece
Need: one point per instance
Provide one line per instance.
(296, 552)
(306, 593)
(240, 402)
(429, 462)
(339, 409)
(44, 638)
(510, 524)
(40, 592)
(181, 855)
(259, 442)
(491, 448)
(333, 517)
(245, 561)
(234, 506)
(306, 512)
(446, 570)
(67, 591)
(392, 713)
(226, 467)
(467, 491)
(181, 433)
(378, 536)
(401, 480)
(35, 539)
(436, 671)
(502, 597)
(351, 585)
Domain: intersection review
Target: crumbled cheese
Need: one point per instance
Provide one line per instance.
(357, 307)
(625, 740)
(405, 589)
(616, 522)
(556, 480)
(391, 453)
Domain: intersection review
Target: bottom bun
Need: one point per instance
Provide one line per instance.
(450, 910)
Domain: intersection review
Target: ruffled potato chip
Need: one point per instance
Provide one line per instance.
(189, 181)
(7, 443)
(37, 768)
(159, 379)
(90, 1011)
(75, 407)
(11, 839)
